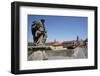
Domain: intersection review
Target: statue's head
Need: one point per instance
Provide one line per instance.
(42, 20)
(38, 23)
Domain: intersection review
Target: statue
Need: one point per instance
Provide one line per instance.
(39, 33)
(39, 38)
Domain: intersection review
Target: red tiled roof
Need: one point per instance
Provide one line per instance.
(57, 44)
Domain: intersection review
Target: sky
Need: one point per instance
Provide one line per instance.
(61, 28)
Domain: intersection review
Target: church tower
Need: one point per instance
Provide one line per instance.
(77, 38)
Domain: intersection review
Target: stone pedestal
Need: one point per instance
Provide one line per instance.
(38, 53)
(79, 53)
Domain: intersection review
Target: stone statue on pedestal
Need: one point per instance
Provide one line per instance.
(39, 38)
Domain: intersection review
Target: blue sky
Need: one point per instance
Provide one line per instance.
(61, 28)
